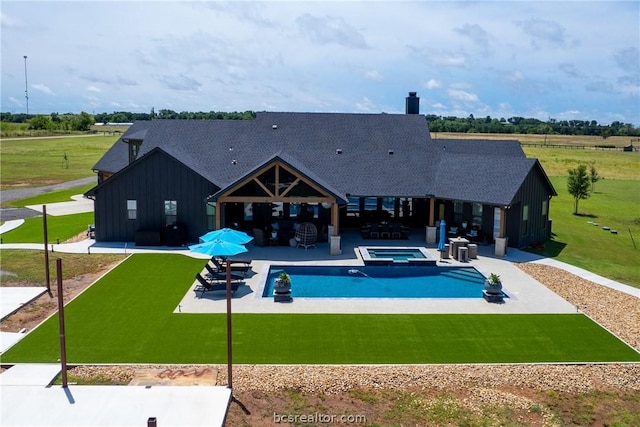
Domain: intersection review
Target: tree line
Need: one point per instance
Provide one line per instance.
(529, 126)
(470, 124)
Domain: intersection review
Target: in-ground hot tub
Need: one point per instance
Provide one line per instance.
(405, 255)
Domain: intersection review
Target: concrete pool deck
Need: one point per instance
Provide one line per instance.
(525, 294)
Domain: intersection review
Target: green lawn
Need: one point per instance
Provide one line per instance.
(127, 317)
(38, 162)
(58, 228)
(51, 197)
(615, 204)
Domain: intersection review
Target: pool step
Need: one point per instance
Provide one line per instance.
(462, 274)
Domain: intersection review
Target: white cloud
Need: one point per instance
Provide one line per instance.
(542, 30)
(373, 75)
(93, 89)
(432, 84)
(330, 30)
(461, 95)
(42, 88)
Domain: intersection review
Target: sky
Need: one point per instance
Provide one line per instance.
(573, 60)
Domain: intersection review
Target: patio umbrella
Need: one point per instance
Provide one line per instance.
(223, 249)
(441, 243)
(227, 234)
(218, 248)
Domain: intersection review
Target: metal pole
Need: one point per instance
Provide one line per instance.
(46, 251)
(229, 359)
(26, 86)
(63, 345)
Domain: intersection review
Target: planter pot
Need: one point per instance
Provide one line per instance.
(281, 288)
(495, 289)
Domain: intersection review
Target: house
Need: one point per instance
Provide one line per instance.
(170, 181)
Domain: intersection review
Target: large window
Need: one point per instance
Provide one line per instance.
(476, 215)
(525, 219)
(132, 209)
(545, 213)
(170, 211)
(457, 212)
(211, 215)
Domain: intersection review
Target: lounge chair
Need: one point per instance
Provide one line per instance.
(206, 286)
(220, 275)
(237, 268)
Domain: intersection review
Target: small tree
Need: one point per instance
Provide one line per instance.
(578, 185)
(593, 176)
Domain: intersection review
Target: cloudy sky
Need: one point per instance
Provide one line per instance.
(542, 59)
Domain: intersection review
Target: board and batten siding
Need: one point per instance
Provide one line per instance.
(533, 192)
(155, 178)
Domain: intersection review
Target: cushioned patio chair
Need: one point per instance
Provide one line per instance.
(206, 286)
(244, 269)
(306, 235)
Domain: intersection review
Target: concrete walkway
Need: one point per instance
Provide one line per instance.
(29, 400)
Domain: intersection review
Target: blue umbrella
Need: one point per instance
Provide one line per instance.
(228, 235)
(218, 248)
(223, 249)
(441, 243)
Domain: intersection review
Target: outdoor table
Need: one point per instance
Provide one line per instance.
(455, 243)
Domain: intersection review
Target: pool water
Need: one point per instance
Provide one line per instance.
(379, 281)
(396, 254)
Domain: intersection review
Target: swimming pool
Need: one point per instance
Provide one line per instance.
(381, 255)
(379, 281)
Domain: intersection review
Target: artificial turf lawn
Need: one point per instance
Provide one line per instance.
(127, 317)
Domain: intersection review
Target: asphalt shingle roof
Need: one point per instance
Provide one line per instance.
(380, 154)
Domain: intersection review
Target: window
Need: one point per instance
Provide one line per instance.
(170, 211)
(545, 213)
(457, 212)
(211, 216)
(525, 219)
(476, 215)
(132, 209)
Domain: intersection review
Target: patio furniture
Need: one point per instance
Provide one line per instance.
(306, 235)
(463, 254)
(396, 231)
(473, 250)
(375, 232)
(385, 231)
(260, 237)
(215, 274)
(455, 243)
(237, 268)
(205, 286)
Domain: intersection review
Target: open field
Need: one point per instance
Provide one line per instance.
(38, 162)
(569, 140)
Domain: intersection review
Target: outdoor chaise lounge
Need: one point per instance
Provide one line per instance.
(244, 269)
(215, 274)
(205, 286)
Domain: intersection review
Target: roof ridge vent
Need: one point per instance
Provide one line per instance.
(338, 150)
(390, 152)
(274, 126)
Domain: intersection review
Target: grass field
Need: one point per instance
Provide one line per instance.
(38, 162)
(59, 228)
(127, 317)
(51, 197)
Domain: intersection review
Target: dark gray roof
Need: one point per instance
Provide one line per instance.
(380, 154)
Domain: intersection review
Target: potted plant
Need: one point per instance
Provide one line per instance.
(493, 284)
(283, 283)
